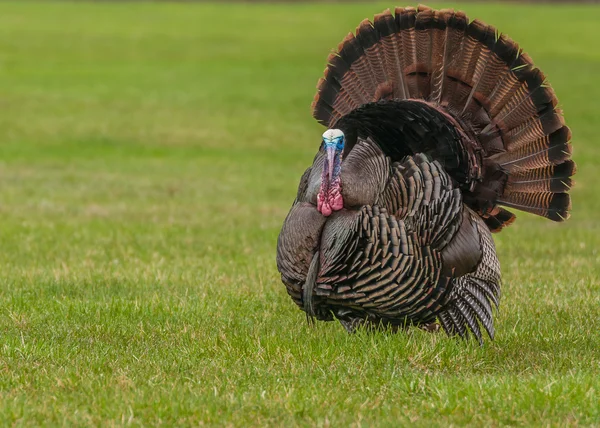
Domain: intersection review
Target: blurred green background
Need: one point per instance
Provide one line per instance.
(149, 153)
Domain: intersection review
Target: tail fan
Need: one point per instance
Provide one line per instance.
(482, 82)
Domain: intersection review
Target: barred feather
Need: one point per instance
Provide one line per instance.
(552, 178)
(554, 206)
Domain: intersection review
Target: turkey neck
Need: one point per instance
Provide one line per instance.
(330, 198)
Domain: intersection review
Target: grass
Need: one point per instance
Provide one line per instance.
(149, 155)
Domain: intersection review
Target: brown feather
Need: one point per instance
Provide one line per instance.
(553, 178)
(498, 219)
(554, 206)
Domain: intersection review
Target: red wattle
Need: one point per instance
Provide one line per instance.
(330, 200)
(323, 204)
(336, 201)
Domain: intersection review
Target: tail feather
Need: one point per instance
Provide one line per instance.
(535, 127)
(366, 38)
(486, 38)
(487, 87)
(537, 102)
(528, 81)
(430, 30)
(439, 56)
(552, 178)
(456, 27)
(498, 219)
(474, 56)
(386, 27)
(547, 150)
(405, 20)
(361, 76)
(505, 89)
(554, 206)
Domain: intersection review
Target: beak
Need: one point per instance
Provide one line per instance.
(330, 160)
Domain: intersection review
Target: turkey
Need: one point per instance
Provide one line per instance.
(435, 126)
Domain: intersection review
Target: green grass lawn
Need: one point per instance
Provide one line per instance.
(148, 155)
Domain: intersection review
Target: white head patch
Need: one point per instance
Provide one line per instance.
(332, 134)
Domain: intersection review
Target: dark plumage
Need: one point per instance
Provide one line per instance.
(437, 123)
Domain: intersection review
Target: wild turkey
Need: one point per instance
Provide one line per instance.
(434, 125)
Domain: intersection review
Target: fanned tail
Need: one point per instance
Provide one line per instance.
(483, 82)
